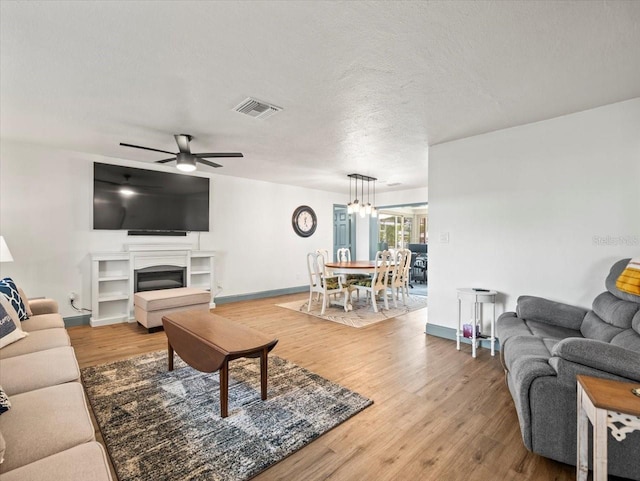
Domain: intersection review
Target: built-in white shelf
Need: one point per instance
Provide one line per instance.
(112, 275)
(112, 278)
(113, 297)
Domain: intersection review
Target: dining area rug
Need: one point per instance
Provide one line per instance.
(166, 425)
(362, 314)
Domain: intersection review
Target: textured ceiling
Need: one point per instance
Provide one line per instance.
(364, 86)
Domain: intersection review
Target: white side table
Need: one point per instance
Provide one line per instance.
(608, 405)
(477, 298)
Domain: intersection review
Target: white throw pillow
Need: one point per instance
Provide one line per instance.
(10, 328)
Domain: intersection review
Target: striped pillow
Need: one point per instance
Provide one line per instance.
(629, 280)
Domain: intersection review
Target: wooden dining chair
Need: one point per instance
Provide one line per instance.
(343, 254)
(407, 272)
(398, 280)
(377, 283)
(324, 286)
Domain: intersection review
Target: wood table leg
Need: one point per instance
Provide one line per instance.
(600, 445)
(263, 374)
(224, 389)
(582, 465)
(170, 355)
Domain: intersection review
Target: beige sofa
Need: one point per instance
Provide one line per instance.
(47, 433)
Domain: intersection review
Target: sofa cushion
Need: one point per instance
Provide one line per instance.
(523, 350)
(612, 278)
(44, 422)
(43, 321)
(10, 291)
(595, 328)
(556, 313)
(5, 404)
(37, 341)
(84, 462)
(629, 339)
(546, 330)
(39, 369)
(10, 329)
(615, 311)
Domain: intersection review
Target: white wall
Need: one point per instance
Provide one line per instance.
(542, 209)
(46, 219)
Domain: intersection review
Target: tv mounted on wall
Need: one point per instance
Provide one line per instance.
(148, 201)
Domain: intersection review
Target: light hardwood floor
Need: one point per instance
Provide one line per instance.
(438, 414)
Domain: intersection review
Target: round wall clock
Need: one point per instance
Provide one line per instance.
(304, 221)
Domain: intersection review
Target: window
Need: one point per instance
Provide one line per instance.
(400, 226)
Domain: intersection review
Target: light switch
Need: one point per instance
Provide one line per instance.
(444, 238)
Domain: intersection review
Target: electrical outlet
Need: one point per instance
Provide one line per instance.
(72, 296)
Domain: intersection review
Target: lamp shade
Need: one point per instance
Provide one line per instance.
(5, 253)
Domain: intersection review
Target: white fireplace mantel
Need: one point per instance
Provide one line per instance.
(185, 246)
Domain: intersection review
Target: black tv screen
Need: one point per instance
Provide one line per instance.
(148, 200)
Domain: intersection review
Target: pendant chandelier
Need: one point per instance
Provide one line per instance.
(356, 206)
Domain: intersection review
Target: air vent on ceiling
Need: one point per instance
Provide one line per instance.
(257, 109)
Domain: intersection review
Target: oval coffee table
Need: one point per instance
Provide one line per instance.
(208, 342)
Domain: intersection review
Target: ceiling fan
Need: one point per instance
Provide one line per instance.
(185, 160)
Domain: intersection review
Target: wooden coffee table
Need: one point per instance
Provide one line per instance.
(208, 342)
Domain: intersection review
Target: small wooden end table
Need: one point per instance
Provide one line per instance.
(208, 342)
(608, 405)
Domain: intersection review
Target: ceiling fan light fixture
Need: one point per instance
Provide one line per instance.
(185, 162)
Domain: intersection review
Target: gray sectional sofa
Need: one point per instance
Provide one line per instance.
(47, 433)
(545, 344)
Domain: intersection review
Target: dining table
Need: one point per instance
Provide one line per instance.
(351, 267)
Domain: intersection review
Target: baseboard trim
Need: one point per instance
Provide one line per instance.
(82, 320)
(261, 294)
(450, 333)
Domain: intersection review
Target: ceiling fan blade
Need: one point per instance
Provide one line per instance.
(183, 143)
(146, 148)
(164, 161)
(219, 154)
(206, 162)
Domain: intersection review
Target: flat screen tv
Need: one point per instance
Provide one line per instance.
(126, 198)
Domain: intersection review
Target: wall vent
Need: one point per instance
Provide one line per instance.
(257, 109)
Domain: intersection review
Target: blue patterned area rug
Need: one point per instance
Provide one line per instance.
(160, 425)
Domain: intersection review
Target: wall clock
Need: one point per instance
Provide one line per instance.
(304, 221)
